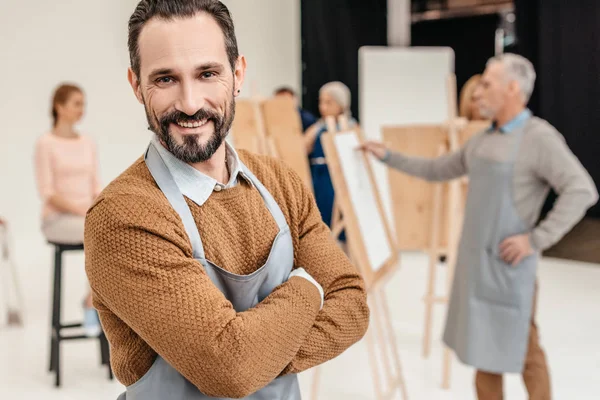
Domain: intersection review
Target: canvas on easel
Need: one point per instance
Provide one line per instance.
(247, 130)
(412, 198)
(359, 212)
(284, 135)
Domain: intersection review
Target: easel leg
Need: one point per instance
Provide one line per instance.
(454, 229)
(429, 303)
(395, 354)
(381, 333)
(446, 368)
(316, 381)
(434, 244)
(372, 350)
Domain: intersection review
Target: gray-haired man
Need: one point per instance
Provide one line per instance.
(511, 167)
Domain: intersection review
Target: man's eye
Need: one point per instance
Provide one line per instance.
(208, 75)
(164, 79)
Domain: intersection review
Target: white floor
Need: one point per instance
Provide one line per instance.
(568, 318)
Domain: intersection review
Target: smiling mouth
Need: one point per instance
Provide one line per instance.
(192, 124)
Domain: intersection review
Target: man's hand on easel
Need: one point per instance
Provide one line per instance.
(377, 149)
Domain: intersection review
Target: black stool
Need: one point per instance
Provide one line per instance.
(57, 327)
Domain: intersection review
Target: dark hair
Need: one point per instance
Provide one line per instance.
(285, 89)
(171, 9)
(61, 96)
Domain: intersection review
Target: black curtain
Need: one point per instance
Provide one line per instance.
(471, 38)
(332, 33)
(562, 39)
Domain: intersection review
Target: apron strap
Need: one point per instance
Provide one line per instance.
(167, 184)
(270, 202)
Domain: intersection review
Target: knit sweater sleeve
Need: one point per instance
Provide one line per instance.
(140, 267)
(344, 318)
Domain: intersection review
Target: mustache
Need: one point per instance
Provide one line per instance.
(178, 116)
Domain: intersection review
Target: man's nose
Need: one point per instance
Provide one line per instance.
(190, 100)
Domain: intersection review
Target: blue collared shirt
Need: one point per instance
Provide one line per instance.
(192, 183)
(513, 124)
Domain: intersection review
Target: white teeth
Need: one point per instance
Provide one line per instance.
(195, 124)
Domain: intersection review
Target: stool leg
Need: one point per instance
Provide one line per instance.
(52, 350)
(56, 311)
(105, 354)
(103, 345)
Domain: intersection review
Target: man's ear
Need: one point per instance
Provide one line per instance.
(238, 75)
(514, 88)
(135, 85)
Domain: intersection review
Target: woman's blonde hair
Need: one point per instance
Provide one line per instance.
(466, 97)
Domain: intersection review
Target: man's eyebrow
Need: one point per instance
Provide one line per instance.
(160, 72)
(209, 65)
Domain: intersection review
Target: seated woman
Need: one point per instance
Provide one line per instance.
(67, 179)
(334, 101)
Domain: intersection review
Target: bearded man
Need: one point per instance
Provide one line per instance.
(212, 270)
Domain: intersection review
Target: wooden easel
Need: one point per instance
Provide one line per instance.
(455, 213)
(422, 210)
(453, 216)
(428, 216)
(7, 267)
(272, 127)
(248, 129)
(380, 337)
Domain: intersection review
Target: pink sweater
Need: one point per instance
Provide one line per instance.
(68, 168)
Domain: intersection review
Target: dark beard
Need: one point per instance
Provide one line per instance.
(190, 151)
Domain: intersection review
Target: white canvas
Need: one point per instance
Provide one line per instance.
(362, 195)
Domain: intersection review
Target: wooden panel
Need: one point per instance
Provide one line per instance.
(284, 135)
(246, 129)
(412, 198)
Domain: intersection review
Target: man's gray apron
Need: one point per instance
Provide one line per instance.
(491, 302)
(162, 381)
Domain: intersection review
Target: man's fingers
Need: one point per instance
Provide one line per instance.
(507, 251)
(506, 243)
(511, 255)
(518, 259)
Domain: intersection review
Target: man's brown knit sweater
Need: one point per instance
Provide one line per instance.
(153, 297)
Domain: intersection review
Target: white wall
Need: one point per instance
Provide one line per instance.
(45, 42)
(268, 33)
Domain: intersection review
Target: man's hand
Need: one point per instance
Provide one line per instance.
(378, 149)
(300, 272)
(2, 221)
(515, 248)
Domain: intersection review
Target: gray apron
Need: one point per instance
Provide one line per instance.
(162, 381)
(491, 302)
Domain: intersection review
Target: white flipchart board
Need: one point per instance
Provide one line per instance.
(402, 86)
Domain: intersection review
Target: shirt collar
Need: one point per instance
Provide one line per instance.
(194, 184)
(513, 124)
